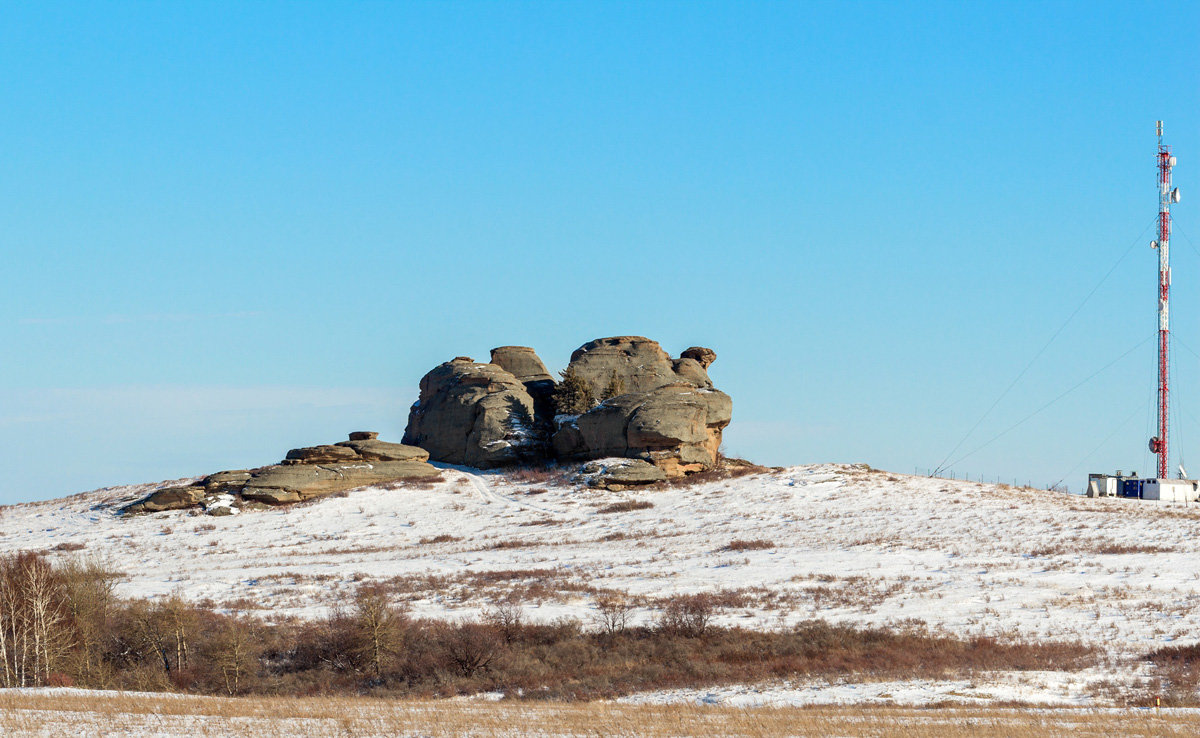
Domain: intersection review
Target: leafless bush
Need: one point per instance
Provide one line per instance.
(614, 613)
(470, 646)
(626, 506)
(414, 483)
(687, 615)
(754, 545)
(507, 617)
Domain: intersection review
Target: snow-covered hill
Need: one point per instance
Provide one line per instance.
(835, 542)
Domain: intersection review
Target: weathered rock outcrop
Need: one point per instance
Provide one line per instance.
(638, 364)
(475, 414)
(305, 473)
(524, 364)
(666, 413)
(677, 428)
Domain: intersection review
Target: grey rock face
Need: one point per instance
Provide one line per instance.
(475, 414)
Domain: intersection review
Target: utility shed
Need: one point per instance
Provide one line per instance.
(1170, 490)
(1103, 485)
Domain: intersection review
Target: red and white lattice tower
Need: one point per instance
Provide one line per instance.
(1166, 196)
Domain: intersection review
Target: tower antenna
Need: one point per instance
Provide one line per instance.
(1166, 196)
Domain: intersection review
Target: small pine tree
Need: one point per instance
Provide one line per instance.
(615, 386)
(573, 395)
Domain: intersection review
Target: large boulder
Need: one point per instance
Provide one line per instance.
(638, 364)
(475, 414)
(300, 482)
(524, 364)
(619, 474)
(169, 498)
(677, 428)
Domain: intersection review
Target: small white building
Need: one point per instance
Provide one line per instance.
(1170, 490)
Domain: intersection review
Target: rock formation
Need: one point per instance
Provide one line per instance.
(476, 414)
(665, 413)
(304, 474)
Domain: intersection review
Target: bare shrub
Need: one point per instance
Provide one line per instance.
(687, 615)
(754, 545)
(413, 483)
(507, 617)
(614, 613)
(626, 506)
(470, 646)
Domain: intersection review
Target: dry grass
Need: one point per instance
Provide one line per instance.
(109, 714)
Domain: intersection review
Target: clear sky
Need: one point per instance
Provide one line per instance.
(229, 229)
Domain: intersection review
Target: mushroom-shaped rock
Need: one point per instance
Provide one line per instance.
(524, 364)
(704, 356)
(475, 414)
(521, 362)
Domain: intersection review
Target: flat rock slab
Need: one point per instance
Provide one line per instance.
(299, 482)
(621, 473)
(375, 450)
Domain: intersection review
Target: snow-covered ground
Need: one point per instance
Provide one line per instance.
(843, 543)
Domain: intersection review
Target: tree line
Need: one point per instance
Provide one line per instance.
(63, 625)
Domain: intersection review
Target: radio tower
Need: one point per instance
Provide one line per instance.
(1166, 196)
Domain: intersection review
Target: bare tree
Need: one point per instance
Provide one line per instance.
(688, 615)
(507, 617)
(88, 589)
(614, 613)
(378, 627)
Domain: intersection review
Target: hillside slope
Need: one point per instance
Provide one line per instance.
(843, 543)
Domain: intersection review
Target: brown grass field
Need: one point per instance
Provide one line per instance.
(81, 714)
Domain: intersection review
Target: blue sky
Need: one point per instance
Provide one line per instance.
(234, 228)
